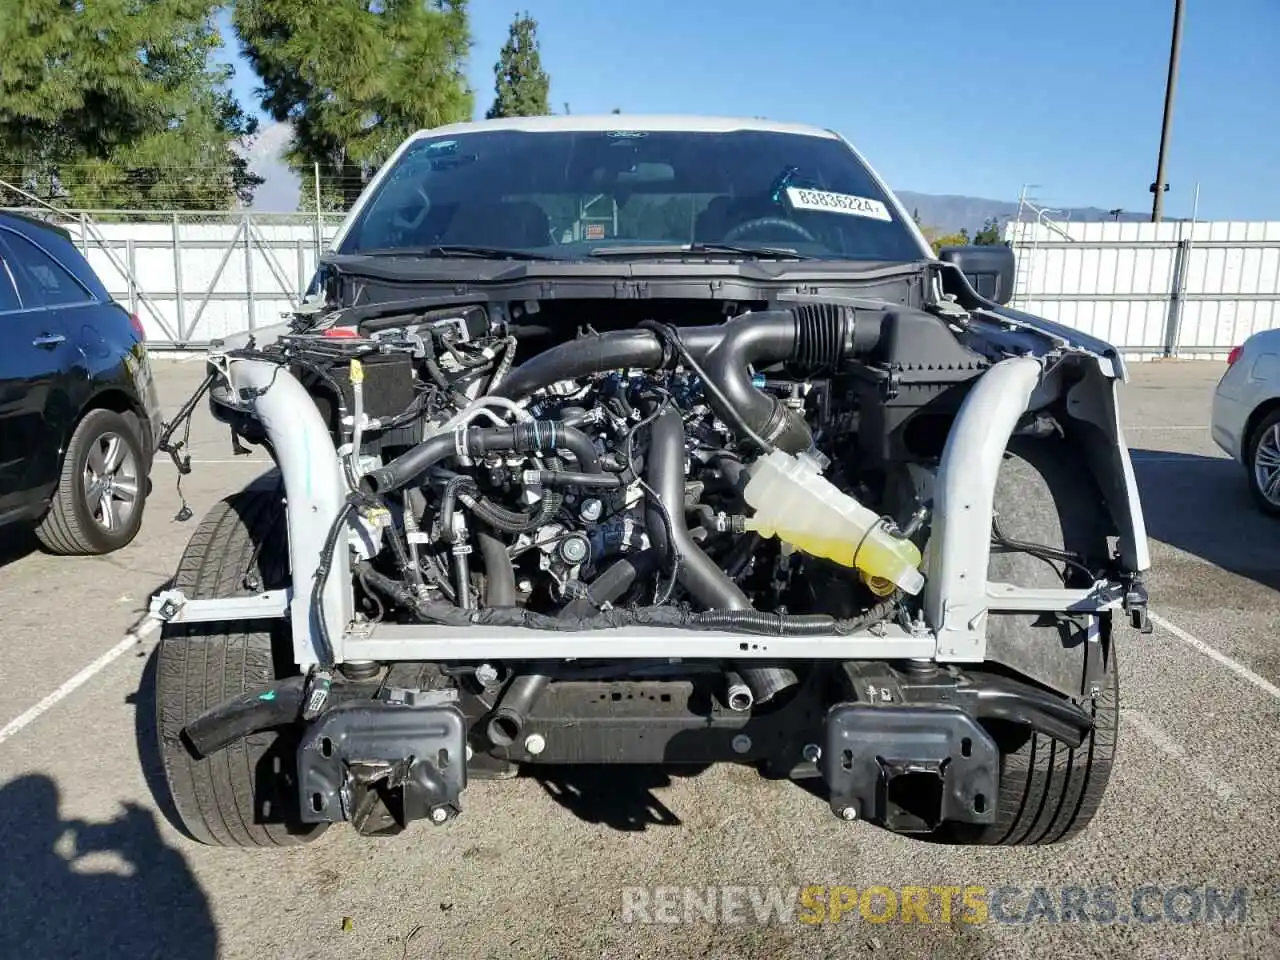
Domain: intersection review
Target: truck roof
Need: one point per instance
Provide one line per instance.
(628, 121)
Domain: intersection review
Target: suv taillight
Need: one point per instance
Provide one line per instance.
(137, 326)
(1234, 355)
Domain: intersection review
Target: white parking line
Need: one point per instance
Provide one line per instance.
(1170, 747)
(1186, 459)
(1162, 426)
(14, 726)
(197, 461)
(1239, 669)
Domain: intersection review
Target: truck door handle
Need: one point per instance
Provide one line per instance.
(48, 340)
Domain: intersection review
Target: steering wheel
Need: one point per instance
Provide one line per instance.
(735, 233)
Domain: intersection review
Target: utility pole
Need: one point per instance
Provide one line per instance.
(1159, 187)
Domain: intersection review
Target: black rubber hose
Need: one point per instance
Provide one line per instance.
(412, 463)
(258, 709)
(753, 338)
(499, 574)
(568, 478)
(508, 718)
(698, 573)
(538, 436)
(583, 356)
(613, 583)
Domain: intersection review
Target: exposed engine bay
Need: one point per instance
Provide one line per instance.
(752, 474)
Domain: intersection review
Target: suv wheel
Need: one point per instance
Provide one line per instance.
(98, 505)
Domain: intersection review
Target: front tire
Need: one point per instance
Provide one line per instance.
(247, 794)
(1049, 793)
(101, 494)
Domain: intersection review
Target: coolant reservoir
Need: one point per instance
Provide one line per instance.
(796, 504)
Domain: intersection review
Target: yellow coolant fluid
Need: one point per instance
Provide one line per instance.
(796, 504)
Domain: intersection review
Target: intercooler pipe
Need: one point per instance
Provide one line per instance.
(508, 718)
(814, 337)
(499, 574)
(697, 572)
(532, 436)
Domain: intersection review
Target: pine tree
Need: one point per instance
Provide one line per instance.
(355, 78)
(521, 86)
(989, 235)
(117, 105)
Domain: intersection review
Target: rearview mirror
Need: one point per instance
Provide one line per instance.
(989, 269)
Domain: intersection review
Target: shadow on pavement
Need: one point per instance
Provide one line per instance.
(1201, 505)
(71, 888)
(620, 797)
(18, 542)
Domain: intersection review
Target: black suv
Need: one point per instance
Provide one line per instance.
(79, 412)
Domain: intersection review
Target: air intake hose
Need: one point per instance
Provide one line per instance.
(813, 337)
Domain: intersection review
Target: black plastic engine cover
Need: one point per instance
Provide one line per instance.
(910, 767)
(357, 751)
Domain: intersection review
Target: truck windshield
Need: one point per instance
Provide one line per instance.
(561, 194)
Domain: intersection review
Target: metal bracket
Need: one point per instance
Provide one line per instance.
(172, 606)
(1135, 605)
(1007, 598)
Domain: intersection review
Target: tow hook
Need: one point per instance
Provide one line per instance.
(1135, 605)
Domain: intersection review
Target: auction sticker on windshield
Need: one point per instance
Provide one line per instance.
(803, 199)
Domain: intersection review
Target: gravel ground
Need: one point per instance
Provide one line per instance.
(540, 867)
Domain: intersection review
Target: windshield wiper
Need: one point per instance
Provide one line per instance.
(675, 249)
(458, 250)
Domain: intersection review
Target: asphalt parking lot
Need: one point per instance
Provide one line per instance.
(90, 865)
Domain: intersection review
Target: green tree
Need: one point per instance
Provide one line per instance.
(989, 235)
(115, 104)
(938, 239)
(354, 78)
(521, 86)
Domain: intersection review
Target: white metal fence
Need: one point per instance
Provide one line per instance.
(192, 277)
(1189, 290)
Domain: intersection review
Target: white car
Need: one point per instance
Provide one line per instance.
(1246, 414)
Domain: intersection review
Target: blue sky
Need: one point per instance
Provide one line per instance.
(967, 98)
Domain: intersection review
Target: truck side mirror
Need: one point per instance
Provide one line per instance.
(989, 269)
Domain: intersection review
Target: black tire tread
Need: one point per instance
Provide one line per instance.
(200, 665)
(1049, 793)
(60, 530)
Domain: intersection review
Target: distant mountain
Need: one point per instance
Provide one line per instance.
(949, 213)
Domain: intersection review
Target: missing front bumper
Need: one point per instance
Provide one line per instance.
(910, 768)
(381, 766)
